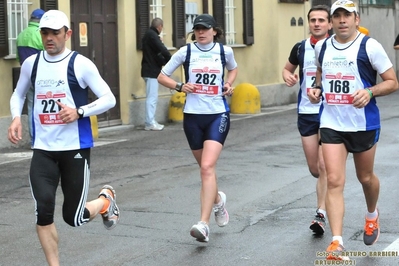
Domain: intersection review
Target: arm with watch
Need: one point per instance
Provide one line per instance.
(80, 112)
(102, 104)
(314, 93)
(70, 114)
(179, 86)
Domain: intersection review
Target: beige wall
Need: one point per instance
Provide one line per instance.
(259, 64)
(6, 86)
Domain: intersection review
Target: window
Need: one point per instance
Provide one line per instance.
(17, 20)
(383, 3)
(224, 12)
(14, 18)
(146, 10)
(155, 9)
(230, 29)
(191, 14)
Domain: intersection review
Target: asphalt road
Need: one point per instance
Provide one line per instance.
(270, 198)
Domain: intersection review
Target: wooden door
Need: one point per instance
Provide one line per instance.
(94, 25)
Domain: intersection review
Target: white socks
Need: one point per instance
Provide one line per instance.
(339, 238)
(372, 215)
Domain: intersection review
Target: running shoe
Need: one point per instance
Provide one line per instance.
(154, 127)
(336, 251)
(221, 214)
(110, 216)
(371, 231)
(200, 231)
(318, 224)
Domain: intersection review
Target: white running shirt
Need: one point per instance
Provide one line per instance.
(205, 70)
(58, 80)
(346, 68)
(307, 81)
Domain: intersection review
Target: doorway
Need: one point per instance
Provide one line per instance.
(95, 35)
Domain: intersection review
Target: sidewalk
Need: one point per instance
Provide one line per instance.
(105, 134)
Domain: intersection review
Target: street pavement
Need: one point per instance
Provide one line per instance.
(270, 198)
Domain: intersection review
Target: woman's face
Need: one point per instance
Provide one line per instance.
(204, 35)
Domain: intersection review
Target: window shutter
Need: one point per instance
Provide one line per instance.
(3, 28)
(142, 20)
(179, 23)
(248, 15)
(321, 2)
(219, 15)
(205, 7)
(48, 4)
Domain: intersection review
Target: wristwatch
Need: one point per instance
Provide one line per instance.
(179, 86)
(80, 112)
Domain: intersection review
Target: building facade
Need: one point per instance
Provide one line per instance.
(261, 33)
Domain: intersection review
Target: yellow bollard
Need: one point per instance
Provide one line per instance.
(94, 126)
(245, 99)
(176, 105)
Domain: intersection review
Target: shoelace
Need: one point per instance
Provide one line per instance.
(370, 227)
(219, 211)
(320, 217)
(335, 247)
(203, 229)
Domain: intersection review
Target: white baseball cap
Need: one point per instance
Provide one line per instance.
(54, 19)
(345, 4)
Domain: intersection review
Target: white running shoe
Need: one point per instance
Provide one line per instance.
(154, 127)
(111, 216)
(200, 231)
(221, 214)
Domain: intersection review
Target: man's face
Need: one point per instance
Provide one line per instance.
(54, 40)
(345, 24)
(319, 24)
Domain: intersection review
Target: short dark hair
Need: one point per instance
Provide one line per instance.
(321, 8)
(156, 22)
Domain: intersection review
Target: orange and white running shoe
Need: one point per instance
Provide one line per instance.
(336, 251)
(111, 216)
(371, 231)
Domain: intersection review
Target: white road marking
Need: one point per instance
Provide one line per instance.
(394, 246)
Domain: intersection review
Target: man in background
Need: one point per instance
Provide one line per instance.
(308, 114)
(155, 55)
(29, 42)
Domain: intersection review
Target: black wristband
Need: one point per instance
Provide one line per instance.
(317, 87)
